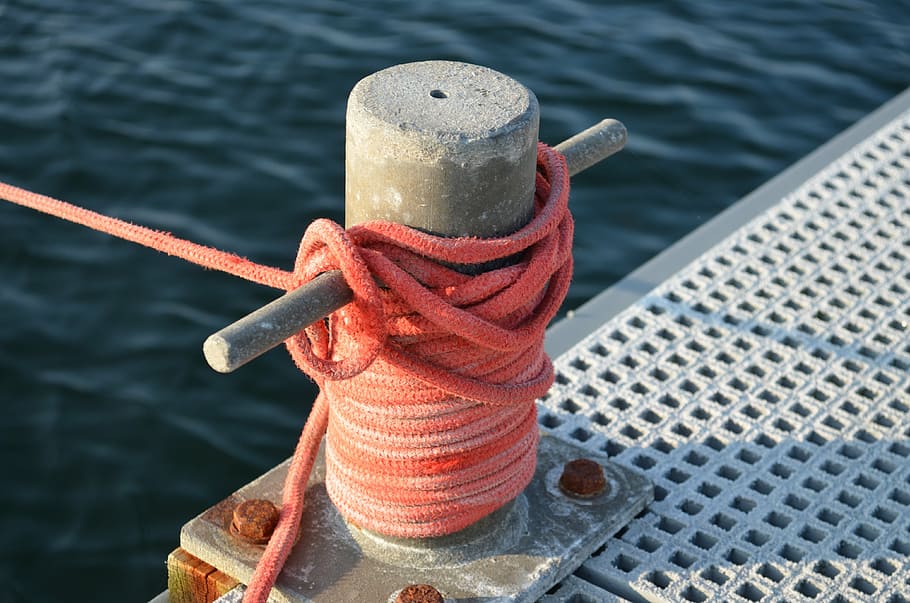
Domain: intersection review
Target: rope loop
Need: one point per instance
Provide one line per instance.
(357, 329)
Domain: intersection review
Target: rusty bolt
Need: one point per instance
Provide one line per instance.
(419, 593)
(254, 521)
(583, 478)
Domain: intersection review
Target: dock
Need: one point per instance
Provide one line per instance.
(758, 373)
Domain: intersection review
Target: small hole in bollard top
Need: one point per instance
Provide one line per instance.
(438, 94)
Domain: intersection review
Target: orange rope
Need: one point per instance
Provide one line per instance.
(428, 383)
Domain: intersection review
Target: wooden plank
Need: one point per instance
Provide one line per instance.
(191, 580)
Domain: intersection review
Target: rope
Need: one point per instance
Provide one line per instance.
(428, 383)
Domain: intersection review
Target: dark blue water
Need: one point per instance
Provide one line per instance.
(223, 122)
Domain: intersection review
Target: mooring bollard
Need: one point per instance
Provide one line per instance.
(450, 149)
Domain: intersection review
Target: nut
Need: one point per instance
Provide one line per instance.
(583, 478)
(254, 521)
(419, 593)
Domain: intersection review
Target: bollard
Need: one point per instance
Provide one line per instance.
(448, 148)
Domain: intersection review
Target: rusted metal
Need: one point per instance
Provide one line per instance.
(582, 478)
(419, 593)
(254, 521)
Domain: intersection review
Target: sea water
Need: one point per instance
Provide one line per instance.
(223, 122)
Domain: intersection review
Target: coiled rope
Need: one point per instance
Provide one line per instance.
(427, 383)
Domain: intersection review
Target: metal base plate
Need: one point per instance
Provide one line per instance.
(540, 539)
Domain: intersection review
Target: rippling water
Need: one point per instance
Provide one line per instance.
(223, 122)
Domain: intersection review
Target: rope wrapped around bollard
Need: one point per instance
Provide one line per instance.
(430, 418)
(428, 382)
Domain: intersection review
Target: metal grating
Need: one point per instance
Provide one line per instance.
(765, 389)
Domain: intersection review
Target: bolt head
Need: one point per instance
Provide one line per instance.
(419, 593)
(583, 478)
(254, 521)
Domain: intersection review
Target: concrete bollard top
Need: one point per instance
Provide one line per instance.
(446, 147)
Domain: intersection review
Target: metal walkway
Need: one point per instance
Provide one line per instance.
(764, 387)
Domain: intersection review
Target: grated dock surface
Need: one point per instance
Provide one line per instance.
(765, 390)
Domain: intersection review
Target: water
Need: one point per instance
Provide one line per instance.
(223, 122)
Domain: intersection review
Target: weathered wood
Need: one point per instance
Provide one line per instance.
(191, 580)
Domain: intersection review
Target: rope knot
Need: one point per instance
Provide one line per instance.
(474, 336)
(347, 343)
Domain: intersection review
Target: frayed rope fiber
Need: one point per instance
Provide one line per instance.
(427, 382)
